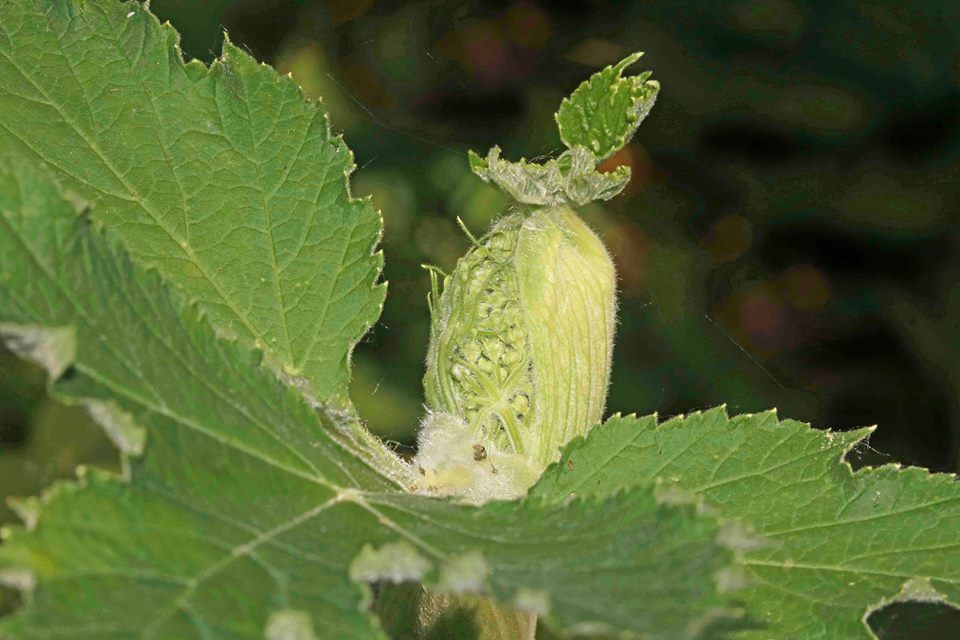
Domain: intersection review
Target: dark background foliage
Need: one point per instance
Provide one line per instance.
(788, 239)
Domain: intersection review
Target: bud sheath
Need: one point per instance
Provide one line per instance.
(567, 287)
(520, 350)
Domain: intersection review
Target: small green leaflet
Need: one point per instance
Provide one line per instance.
(224, 178)
(838, 543)
(606, 109)
(239, 514)
(596, 121)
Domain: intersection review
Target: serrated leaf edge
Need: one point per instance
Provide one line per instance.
(916, 588)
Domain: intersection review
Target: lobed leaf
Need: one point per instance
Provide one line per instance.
(226, 179)
(833, 544)
(246, 515)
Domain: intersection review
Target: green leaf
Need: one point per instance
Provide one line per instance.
(246, 514)
(572, 178)
(596, 120)
(837, 543)
(226, 178)
(603, 113)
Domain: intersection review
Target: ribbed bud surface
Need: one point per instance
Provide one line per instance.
(521, 342)
(567, 285)
(479, 365)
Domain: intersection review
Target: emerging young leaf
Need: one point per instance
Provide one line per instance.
(829, 545)
(596, 120)
(244, 515)
(226, 178)
(606, 109)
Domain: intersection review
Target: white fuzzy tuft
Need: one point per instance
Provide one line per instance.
(448, 463)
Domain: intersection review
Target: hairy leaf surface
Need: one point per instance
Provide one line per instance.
(226, 178)
(836, 543)
(243, 510)
(595, 121)
(606, 109)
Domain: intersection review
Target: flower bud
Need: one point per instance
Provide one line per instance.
(520, 349)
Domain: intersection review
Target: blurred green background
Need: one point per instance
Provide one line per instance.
(788, 238)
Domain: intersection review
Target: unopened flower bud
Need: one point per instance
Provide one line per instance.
(520, 346)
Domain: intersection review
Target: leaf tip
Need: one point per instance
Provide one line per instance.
(536, 601)
(737, 536)
(53, 348)
(604, 111)
(27, 509)
(289, 624)
(126, 435)
(916, 589)
(18, 579)
(394, 562)
(465, 573)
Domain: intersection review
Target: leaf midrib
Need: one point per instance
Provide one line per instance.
(239, 551)
(269, 227)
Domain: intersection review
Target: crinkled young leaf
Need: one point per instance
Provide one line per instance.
(606, 109)
(838, 543)
(227, 179)
(595, 121)
(243, 515)
(570, 179)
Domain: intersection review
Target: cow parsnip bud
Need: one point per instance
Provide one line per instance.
(522, 333)
(520, 354)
